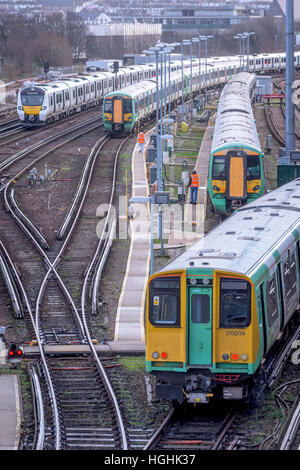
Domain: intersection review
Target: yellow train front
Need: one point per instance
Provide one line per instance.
(196, 348)
(219, 314)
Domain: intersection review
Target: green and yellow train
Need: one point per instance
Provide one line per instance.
(236, 174)
(217, 313)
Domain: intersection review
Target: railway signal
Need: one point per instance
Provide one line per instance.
(15, 352)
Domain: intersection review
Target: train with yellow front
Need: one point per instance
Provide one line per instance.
(218, 313)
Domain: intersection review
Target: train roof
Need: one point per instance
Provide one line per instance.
(248, 239)
(235, 122)
(134, 90)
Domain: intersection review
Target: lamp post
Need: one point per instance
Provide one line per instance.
(189, 43)
(247, 35)
(243, 39)
(198, 40)
(290, 72)
(172, 46)
(240, 37)
(206, 38)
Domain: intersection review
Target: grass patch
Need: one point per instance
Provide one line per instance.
(133, 363)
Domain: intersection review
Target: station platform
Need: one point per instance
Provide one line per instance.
(194, 215)
(129, 327)
(10, 412)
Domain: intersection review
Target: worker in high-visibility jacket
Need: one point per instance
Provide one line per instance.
(194, 185)
(141, 141)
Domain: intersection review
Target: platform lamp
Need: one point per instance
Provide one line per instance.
(243, 43)
(248, 47)
(198, 40)
(171, 47)
(188, 42)
(159, 51)
(206, 38)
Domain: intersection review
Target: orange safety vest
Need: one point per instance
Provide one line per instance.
(141, 139)
(195, 181)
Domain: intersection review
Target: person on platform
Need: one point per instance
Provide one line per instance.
(141, 141)
(194, 185)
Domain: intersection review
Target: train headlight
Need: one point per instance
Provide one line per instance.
(20, 108)
(244, 356)
(256, 188)
(216, 188)
(234, 356)
(155, 355)
(193, 281)
(44, 108)
(164, 355)
(225, 356)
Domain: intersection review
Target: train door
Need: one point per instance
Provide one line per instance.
(236, 175)
(118, 111)
(200, 326)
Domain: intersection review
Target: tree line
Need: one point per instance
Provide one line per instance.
(27, 43)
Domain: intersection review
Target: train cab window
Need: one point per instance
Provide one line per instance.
(108, 106)
(127, 106)
(253, 170)
(200, 308)
(32, 98)
(164, 301)
(235, 303)
(218, 168)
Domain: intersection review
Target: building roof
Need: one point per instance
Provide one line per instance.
(278, 7)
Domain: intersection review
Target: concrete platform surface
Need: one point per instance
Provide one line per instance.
(10, 412)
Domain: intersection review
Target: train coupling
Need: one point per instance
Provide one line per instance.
(198, 397)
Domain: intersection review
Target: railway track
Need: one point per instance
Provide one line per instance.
(194, 429)
(46, 323)
(274, 126)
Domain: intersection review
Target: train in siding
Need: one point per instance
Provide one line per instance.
(43, 103)
(218, 312)
(236, 174)
(143, 103)
(127, 109)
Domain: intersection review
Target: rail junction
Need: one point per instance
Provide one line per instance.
(77, 400)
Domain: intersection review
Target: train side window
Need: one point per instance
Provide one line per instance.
(235, 303)
(218, 168)
(200, 308)
(164, 301)
(290, 276)
(272, 303)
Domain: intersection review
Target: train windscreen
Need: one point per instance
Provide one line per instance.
(32, 98)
